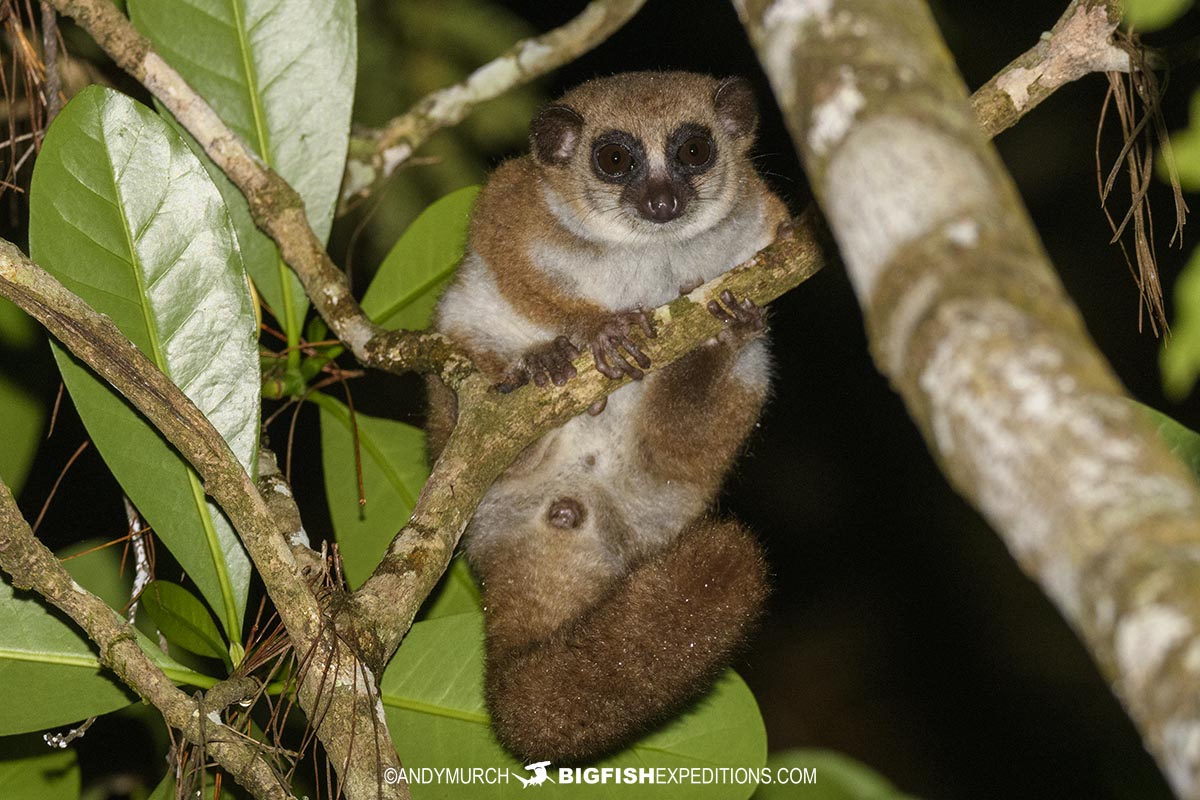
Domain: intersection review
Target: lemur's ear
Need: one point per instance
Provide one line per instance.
(554, 134)
(737, 110)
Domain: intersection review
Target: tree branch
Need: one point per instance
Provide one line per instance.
(383, 608)
(1080, 43)
(377, 155)
(101, 345)
(967, 318)
(276, 207)
(32, 566)
(335, 690)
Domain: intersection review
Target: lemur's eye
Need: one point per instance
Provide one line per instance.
(613, 159)
(695, 152)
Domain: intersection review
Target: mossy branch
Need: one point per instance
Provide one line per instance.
(966, 317)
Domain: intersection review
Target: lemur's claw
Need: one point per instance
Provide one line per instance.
(615, 353)
(744, 320)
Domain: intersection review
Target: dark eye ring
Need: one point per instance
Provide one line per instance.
(613, 159)
(696, 151)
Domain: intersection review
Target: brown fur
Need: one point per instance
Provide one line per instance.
(701, 415)
(656, 641)
(610, 599)
(517, 216)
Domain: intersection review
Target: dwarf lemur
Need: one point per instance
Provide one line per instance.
(611, 597)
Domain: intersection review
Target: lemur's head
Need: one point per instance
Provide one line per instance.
(646, 154)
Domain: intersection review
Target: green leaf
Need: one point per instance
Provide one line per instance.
(183, 619)
(393, 471)
(1150, 15)
(29, 770)
(823, 775)
(17, 330)
(433, 696)
(280, 73)
(124, 215)
(165, 789)
(24, 417)
(49, 673)
(1183, 441)
(456, 593)
(1185, 150)
(1179, 358)
(97, 568)
(409, 280)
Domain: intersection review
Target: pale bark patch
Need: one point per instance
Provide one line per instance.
(1182, 747)
(892, 181)
(1080, 47)
(832, 117)
(1001, 410)
(1145, 638)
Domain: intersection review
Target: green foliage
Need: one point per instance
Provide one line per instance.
(124, 215)
(22, 411)
(1179, 358)
(281, 75)
(838, 777)
(1150, 15)
(393, 471)
(29, 770)
(433, 696)
(97, 568)
(24, 417)
(456, 593)
(1185, 149)
(409, 280)
(183, 619)
(1184, 442)
(49, 673)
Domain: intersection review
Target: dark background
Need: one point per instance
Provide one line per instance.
(901, 633)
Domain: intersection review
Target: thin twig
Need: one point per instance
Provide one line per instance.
(52, 87)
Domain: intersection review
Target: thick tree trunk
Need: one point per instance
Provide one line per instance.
(968, 320)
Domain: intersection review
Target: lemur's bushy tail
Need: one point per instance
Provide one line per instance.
(655, 643)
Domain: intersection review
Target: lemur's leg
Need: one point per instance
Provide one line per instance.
(700, 409)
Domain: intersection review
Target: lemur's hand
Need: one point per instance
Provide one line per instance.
(744, 320)
(548, 363)
(614, 352)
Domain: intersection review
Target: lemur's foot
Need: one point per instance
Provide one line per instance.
(785, 229)
(743, 319)
(614, 352)
(549, 363)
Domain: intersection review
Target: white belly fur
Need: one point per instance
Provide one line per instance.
(595, 457)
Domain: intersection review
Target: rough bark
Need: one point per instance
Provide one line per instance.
(969, 322)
